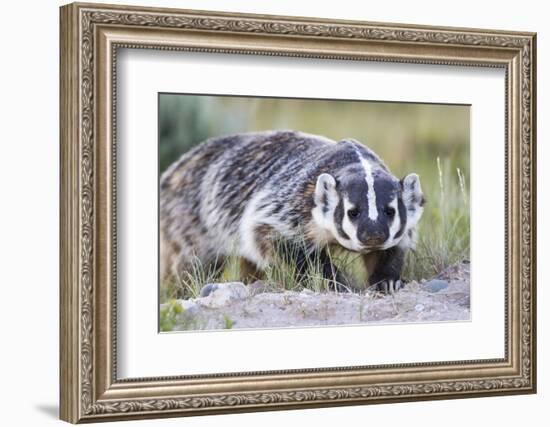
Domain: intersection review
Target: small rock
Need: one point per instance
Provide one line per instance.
(220, 294)
(208, 289)
(436, 285)
(419, 307)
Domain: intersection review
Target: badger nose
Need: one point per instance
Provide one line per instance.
(375, 239)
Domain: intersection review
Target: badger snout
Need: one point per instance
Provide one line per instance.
(374, 238)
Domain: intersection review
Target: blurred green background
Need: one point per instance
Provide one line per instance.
(429, 139)
(407, 136)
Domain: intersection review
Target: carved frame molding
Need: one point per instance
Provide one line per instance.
(90, 37)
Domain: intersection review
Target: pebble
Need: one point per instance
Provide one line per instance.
(436, 285)
(208, 289)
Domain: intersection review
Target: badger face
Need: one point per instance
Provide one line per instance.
(367, 210)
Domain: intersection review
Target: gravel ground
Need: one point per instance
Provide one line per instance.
(445, 297)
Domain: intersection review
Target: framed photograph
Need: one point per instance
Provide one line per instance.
(267, 212)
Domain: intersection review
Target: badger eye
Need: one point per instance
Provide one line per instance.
(389, 211)
(353, 213)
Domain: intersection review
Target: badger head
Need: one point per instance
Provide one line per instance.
(365, 208)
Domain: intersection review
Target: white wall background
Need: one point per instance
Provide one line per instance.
(29, 170)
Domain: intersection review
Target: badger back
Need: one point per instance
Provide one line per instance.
(221, 177)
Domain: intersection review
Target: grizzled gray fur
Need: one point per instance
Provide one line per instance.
(239, 194)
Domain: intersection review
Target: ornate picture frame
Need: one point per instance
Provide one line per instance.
(90, 37)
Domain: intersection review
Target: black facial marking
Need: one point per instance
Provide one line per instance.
(402, 216)
(386, 190)
(354, 213)
(338, 218)
(389, 211)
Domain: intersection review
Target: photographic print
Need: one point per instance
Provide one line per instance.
(280, 212)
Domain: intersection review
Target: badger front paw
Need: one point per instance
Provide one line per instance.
(389, 286)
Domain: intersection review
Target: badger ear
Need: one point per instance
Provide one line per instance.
(413, 198)
(326, 195)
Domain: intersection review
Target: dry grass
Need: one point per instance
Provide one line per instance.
(444, 232)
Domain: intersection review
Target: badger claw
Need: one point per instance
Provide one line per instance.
(389, 286)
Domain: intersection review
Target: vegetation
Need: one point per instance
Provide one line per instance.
(431, 140)
(227, 322)
(168, 315)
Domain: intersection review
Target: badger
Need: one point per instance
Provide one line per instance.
(238, 194)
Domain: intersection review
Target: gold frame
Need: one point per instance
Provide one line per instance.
(90, 36)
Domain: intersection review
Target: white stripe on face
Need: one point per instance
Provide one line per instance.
(371, 194)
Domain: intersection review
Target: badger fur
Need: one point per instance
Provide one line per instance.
(237, 195)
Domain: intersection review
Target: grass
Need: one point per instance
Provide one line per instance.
(443, 241)
(283, 274)
(189, 283)
(444, 230)
(169, 314)
(227, 322)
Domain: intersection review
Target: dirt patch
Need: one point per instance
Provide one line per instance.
(445, 297)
